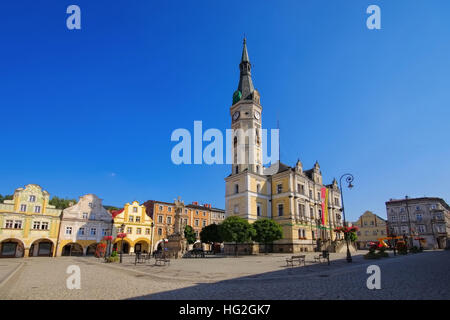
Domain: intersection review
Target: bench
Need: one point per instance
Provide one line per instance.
(164, 260)
(300, 259)
(325, 255)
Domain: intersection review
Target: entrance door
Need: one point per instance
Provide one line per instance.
(45, 249)
(9, 249)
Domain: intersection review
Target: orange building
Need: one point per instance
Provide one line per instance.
(163, 215)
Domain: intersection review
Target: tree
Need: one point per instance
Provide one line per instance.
(6, 197)
(189, 234)
(211, 234)
(237, 230)
(267, 231)
(61, 203)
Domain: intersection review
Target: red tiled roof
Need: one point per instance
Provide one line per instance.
(116, 213)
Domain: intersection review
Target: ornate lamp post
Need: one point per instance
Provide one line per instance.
(349, 179)
(121, 235)
(151, 239)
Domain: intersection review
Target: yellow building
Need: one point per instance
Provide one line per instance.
(289, 195)
(371, 228)
(29, 225)
(137, 225)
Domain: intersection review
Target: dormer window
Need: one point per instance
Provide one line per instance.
(32, 198)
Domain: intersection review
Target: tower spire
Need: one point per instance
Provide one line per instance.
(245, 80)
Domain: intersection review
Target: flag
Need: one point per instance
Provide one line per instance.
(324, 196)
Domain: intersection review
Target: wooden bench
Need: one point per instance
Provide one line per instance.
(300, 259)
(325, 256)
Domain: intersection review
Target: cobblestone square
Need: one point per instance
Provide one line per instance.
(415, 276)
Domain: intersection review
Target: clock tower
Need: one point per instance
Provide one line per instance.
(245, 115)
(247, 188)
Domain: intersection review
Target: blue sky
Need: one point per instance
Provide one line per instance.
(92, 110)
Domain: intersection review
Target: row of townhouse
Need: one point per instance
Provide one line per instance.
(30, 226)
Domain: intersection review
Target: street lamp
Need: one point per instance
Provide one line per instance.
(151, 240)
(122, 229)
(349, 180)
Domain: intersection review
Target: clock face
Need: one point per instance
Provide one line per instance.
(257, 115)
(236, 115)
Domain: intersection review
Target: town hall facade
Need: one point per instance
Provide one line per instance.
(291, 196)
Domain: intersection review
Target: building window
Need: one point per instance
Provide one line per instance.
(81, 231)
(129, 230)
(93, 231)
(418, 208)
(394, 218)
(311, 213)
(402, 209)
(371, 223)
(433, 206)
(236, 208)
(403, 218)
(236, 188)
(90, 205)
(18, 224)
(169, 220)
(258, 188)
(421, 228)
(159, 231)
(135, 209)
(313, 233)
(104, 232)
(310, 194)
(258, 209)
(236, 169)
(23, 207)
(318, 195)
(37, 209)
(44, 225)
(138, 219)
(9, 224)
(204, 223)
(32, 199)
(92, 216)
(160, 208)
(185, 222)
(160, 219)
(196, 222)
(147, 231)
(375, 232)
(419, 217)
(36, 225)
(404, 230)
(336, 202)
(279, 188)
(138, 230)
(280, 210)
(68, 230)
(204, 214)
(130, 219)
(85, 215)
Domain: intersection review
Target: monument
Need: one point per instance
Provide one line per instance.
(177, 244)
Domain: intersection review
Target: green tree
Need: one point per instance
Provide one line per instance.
(211, 234)
(267, 231)
(189, 234)
(6, 197)
(237, 230)
(61, 203)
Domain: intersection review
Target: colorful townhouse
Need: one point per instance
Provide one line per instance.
(29, 225)
(138, 227)
(83, 226)
(198, 217)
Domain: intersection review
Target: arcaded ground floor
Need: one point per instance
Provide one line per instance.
(415, 276)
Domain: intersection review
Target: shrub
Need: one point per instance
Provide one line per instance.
(112, 259)
(371, 255)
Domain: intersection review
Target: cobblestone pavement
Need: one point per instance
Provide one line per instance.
(419, 276)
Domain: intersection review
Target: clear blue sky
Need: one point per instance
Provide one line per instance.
(92, 111)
